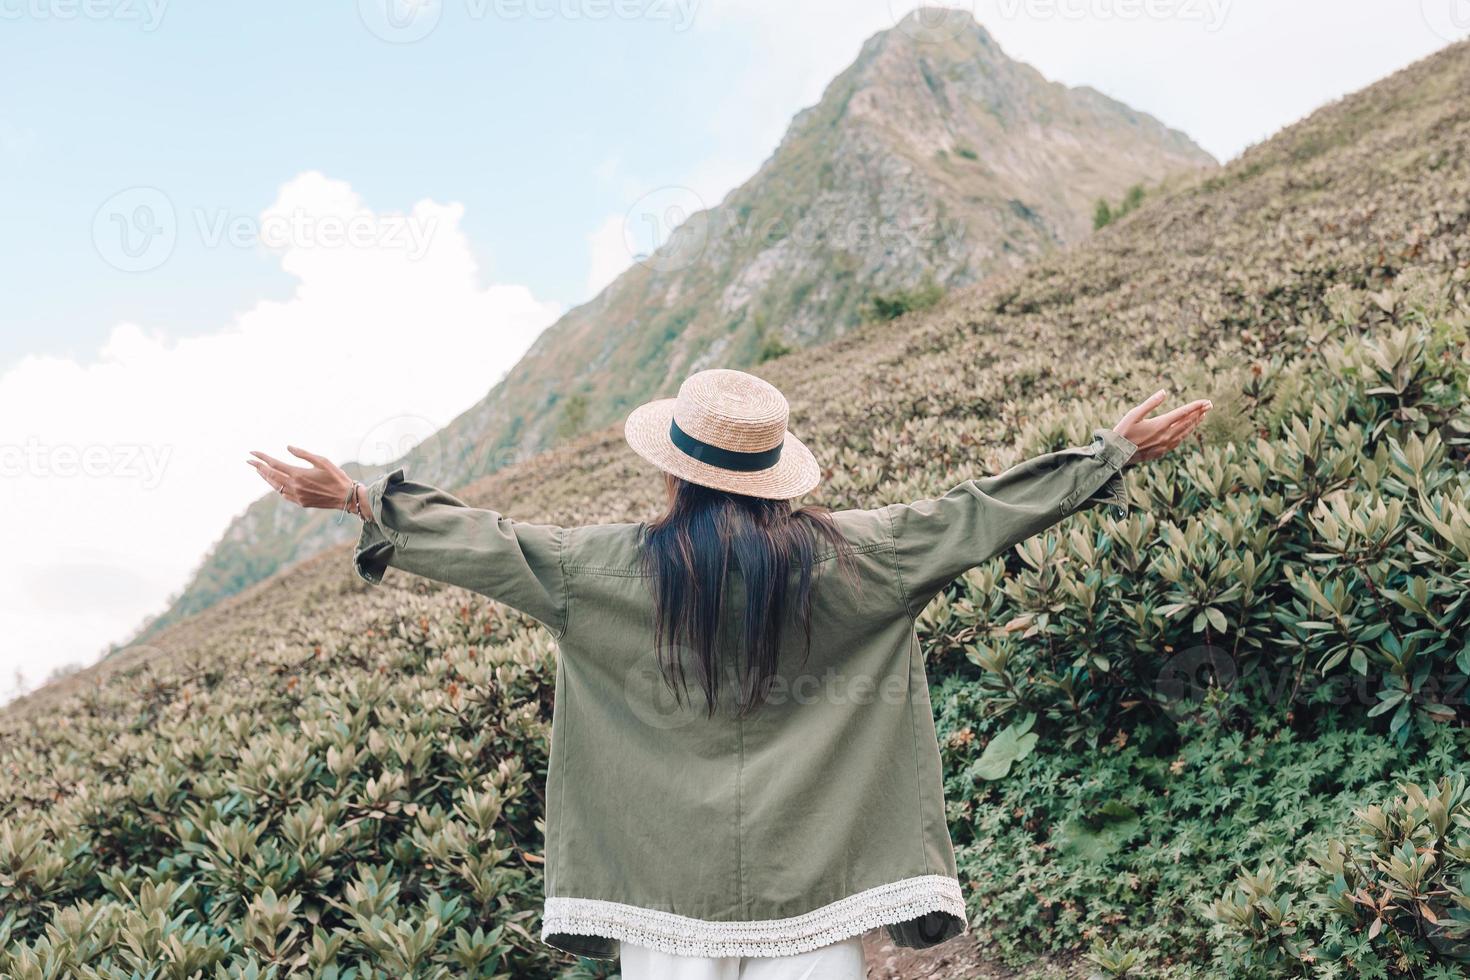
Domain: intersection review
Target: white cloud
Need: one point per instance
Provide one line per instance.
(117, 473)
(609, 253)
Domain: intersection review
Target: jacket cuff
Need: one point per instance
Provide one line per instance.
(1115, 450)
(376, 544)
(1102, 484)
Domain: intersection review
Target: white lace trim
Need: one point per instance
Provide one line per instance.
(666, 932)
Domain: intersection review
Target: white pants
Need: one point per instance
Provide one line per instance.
(841, 961)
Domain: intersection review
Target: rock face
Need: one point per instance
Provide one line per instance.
(933, 161)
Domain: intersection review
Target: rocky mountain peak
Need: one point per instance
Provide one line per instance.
(933, 161)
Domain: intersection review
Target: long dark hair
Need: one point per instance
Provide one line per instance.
(690, 552)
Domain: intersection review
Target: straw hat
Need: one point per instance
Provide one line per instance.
(727, 430)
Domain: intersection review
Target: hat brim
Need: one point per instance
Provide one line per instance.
(795, 473)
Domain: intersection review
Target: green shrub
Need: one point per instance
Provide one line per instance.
(573, 417)
(1124, 843)
(1200, 709)
(371, 811)
(1391, 901)
(773, 347)
(1322, 564)
(1105, 214)
(891, 306)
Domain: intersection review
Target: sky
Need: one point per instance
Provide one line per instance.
(227, 226)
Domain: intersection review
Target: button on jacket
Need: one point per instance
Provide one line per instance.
(815, 817)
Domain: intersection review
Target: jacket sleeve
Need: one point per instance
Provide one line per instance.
(428, 532)
(937, 540)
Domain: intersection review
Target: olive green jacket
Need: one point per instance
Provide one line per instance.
(816, 817)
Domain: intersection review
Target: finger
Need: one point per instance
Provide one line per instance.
(1182, 412)
(1175, 435)
(321, 462)
(1196, 418)
(1147, 405)
(274, 476)
(276, 464)
(1184, 423)
(276, 479)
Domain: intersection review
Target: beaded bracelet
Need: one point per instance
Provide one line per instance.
(350, 502)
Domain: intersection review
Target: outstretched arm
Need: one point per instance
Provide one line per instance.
(937, 540)
(427, 531)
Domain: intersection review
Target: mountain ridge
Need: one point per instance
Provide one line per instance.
(924, 162)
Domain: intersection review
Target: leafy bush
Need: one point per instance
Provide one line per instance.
(573, 416)
(1324, 561)
(891, 306)
(1119, 844)
(772, 347)
(1105, 214)
(370, 811)
(1394, 900)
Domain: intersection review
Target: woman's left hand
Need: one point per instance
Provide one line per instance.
(321, 485)
(1160, 434)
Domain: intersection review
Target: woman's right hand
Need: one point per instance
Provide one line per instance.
(1156, 436)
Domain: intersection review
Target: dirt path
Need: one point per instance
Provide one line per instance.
(958, 959)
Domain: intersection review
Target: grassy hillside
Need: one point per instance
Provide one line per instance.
(322, 778)
(926, 165)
